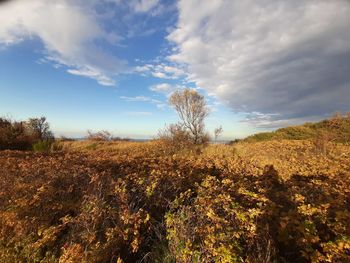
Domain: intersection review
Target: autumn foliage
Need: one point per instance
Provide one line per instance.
(106, 201)
(33, 134)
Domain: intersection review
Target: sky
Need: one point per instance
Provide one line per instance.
(112, 64)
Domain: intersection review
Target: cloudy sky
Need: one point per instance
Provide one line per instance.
(111, 64)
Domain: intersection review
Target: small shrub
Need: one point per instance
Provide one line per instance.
(14, 136)
(322, 142)
(99, 136)
(42, 146)
(24, 134)
(92, 146)
(56, 146)
(176, 137)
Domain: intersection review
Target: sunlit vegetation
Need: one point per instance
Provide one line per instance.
(105, 201)
(336, 129)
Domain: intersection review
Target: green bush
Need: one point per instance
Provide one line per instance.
(42, 146)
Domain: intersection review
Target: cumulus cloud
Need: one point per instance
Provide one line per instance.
(69, 31)
(165, 88)
(162, 88)
(162, 71)
(93, 74)
(281, 61)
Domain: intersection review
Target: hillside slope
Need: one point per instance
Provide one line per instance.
(336, 129)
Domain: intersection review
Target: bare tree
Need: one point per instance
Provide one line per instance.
(192, 110)
(217, 132)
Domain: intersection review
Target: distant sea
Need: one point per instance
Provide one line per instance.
(129, 139)
(146, 140)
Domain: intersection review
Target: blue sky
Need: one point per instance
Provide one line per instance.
(112, 64)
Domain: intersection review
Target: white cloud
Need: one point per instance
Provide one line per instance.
(165, 88)
(162, 71)
(159, 104)
(69, 32)
(162, 88)
(167, 72)
(288, 60)
(93, 74)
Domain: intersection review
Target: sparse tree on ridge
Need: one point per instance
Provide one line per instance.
(192, 109)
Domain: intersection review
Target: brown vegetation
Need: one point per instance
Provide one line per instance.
(103, 201)
(25, 135)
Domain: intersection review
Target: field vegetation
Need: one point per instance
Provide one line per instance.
(105, 201)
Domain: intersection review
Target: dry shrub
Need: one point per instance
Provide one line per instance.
(14, 136)
(23, 135)
(72, 208)
(104, 136)
(220, 222)
(262, 219)
(110, 204)
(177, 138)
(99, 136)
(322, 142)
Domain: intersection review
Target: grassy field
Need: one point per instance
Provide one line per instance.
(269, 201)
